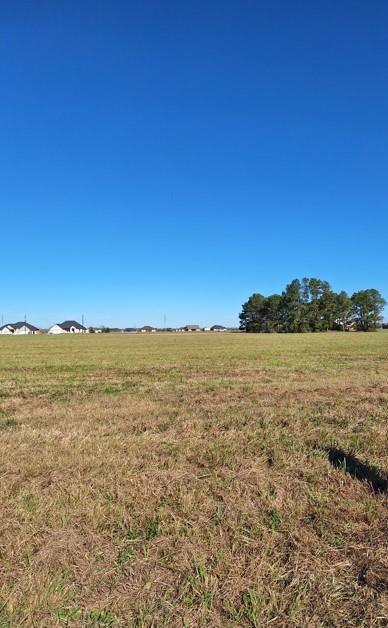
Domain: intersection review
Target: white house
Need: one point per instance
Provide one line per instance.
(7, 329)
(67, 327)
(22, 328)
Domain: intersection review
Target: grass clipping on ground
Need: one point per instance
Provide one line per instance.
(187, 480)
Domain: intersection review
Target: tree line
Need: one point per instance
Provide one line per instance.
(310, 305)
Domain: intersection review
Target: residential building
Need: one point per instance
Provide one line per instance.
(22, 328)
(67, 327)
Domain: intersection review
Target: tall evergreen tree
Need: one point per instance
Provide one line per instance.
(251, 315)
(291, 305)
(318, 290)
(271, 313)
(343, 310)
(328, 308)
(313, 291)
(367, 308)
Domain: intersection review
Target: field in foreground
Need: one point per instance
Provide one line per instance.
(194, 480)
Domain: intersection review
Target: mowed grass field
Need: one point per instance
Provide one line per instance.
(187, 480)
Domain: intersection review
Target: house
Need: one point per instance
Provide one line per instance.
(219, 328)
(67, 327)
(6, 329)
(191, 328)
(22, 328)
(147, 329)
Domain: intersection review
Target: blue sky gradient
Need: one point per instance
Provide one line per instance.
(169, 159)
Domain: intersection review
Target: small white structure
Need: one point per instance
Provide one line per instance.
(22, 328)
(67, 327)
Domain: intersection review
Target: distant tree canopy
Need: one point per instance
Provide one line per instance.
(311, 305)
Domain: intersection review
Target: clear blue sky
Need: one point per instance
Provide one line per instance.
(171, 158)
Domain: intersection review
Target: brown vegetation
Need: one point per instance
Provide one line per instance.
(187, 481)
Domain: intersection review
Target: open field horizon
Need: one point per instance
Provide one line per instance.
(194, 480)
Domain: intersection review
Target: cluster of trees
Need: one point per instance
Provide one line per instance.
(311, 305)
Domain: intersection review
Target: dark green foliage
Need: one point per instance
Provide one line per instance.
(311, 305)
(367, 306)
(344, 310)
(292, 307)
(328, 310)
(250, 317)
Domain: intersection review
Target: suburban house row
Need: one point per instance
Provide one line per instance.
(73, 327)
(26, 329)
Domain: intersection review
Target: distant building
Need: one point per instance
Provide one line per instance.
(191, 328)
(219, 328)
(68, 327)
(206, 329)
(22, 328)
(7, 329)
(147, 329)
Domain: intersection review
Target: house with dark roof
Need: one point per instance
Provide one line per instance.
(147, 328)
(67, 327)
(218, 328)
(191, 328)
(21, 328)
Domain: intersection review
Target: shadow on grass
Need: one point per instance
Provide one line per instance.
(357, 469)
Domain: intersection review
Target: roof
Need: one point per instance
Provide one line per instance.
(147, 327)
(67, 324)
(21, 324)
(218, 327)
(191, 327)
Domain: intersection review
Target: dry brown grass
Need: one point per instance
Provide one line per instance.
(183, 480)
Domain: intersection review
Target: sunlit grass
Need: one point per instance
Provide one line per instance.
(183, 480)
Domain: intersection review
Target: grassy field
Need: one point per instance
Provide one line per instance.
(193, 480)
